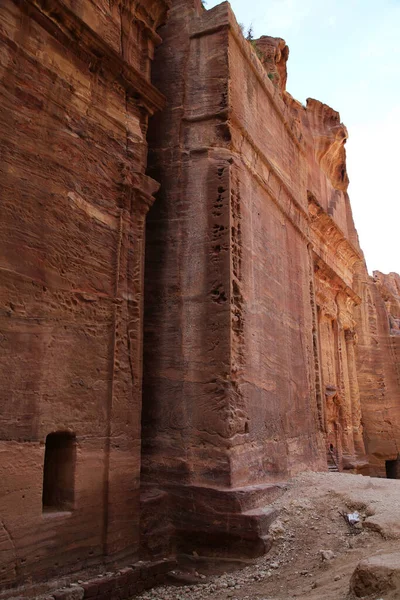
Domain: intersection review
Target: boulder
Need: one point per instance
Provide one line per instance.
(376, 575)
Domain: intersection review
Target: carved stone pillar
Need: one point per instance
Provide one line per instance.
(345, 395)
(319, 395)
(351, 339)
(124, 411)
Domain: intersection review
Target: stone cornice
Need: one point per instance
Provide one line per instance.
(332, 275)
(156, 18)
(145, 188)
(73, 33)
(330, 243)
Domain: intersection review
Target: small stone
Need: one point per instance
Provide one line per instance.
(327, 555)
(222, 585)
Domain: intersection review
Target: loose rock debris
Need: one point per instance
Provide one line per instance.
(315, 551)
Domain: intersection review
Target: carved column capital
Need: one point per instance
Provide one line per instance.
(137, 190)
(350, 336)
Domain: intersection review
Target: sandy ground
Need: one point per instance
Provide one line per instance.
(315, 552)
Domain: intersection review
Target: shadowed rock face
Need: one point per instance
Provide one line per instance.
(268, 350)
(75, 97)
(378, 354)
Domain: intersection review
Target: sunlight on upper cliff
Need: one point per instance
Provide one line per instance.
(346, 53)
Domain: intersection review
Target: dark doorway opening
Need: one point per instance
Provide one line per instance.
(393, 469)
(59, 472)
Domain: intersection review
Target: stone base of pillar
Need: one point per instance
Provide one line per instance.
(206, 522)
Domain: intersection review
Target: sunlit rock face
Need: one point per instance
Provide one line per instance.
(329, 136)
(179, 219)
(273, 54)
(389, 288)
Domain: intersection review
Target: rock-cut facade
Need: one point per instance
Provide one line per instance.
(186, 316)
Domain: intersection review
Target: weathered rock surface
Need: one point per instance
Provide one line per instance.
(389, 288)
(378, 361)
(379, 574)
(251, 318)
(75, 97)
(273, 53)
(268, 350)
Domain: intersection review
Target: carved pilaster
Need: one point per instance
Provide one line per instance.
(351, 339)
(319, 396)
(346, 411)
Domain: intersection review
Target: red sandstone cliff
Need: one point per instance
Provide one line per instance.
(368, 317)
(75, 97)
(389, 289)
(268, 350)
(378, 359)
(266, 228)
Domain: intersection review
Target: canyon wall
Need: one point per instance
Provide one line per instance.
(378, 354)
(228, 270)
(252, 302)
(242, 292)
(75, 101)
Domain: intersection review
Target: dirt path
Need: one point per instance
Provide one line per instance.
(314, 553)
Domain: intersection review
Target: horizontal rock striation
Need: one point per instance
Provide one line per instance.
(240, 298)
(378, 353)
(75, 100)
(253, 303)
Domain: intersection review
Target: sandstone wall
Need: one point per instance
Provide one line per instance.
(271, 267)
(250, 234)
(252, 305)
(378, 353)
(268, 349)
(185, 421)
(226, 273)
(389, 289)
(75, 98)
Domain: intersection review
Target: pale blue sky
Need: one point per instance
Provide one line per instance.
(346, 53)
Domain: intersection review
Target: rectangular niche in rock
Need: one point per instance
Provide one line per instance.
(59, 472)
(393, 469)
